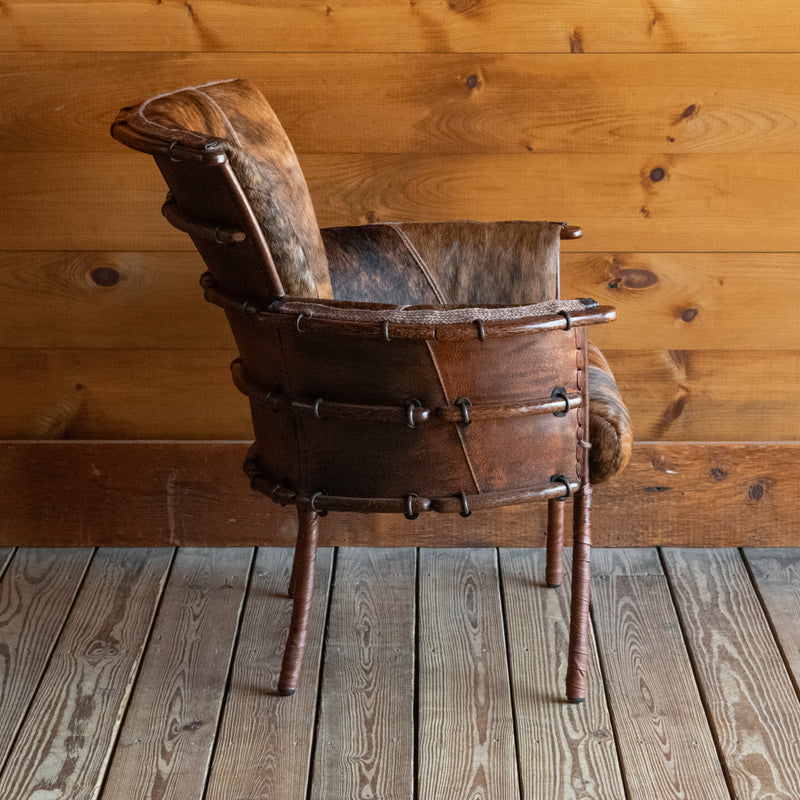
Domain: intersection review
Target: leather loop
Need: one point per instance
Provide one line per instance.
(464, 403)
(313, 502)
(561, 479)
(560, 393)
(410, 406)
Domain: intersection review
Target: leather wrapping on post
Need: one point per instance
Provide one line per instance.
(302, 587)
(581, 588)
(581, 541)
(554, 570)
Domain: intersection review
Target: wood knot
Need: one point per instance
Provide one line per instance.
(689, 314)
(756, 492)
(463, 6)
(576, 41)
(634, 278)
(104, 276)
(718, 474)
(657, 174)
(472, 82)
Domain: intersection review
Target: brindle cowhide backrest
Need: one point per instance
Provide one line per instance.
(265, 164)
(471, 263)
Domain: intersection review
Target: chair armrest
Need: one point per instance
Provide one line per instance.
(610, 430)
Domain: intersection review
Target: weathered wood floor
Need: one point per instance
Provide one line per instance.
(431, 674)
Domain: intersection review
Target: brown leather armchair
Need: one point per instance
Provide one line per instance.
(395, 368)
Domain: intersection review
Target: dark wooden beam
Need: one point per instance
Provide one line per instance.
(152, 493)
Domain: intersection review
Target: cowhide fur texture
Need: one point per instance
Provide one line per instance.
(236, 113)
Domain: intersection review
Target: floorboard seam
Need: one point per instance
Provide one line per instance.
(11, 556)
(611, 710)
(770, 624)
(312, 753)
(415, 715)
(695, 673)
(506, 640)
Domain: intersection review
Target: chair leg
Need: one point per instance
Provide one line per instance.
(579, 612)
(555, 543)
(295, 568)
(301, 588)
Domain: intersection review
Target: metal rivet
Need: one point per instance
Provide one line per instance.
(567, 317)
(481, 329)
(386, 330)
(297, 323)
(316, 407)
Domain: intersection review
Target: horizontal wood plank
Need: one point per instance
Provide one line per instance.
(688, 301)
(677, 395)
(675, 301)
(451, 103)
(672, 202)
(739, 670)
(194, 493)
(67, 393)
(107, 300)
(666, 748)
(64, 745)
(264, 741)
(425, 25)
(164, 749)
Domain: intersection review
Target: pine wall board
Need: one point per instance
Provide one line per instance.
(669, 131)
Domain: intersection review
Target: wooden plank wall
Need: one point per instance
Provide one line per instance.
(669, 131)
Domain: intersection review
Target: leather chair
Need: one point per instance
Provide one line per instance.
(391, 368)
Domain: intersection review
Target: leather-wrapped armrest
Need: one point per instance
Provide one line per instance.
(610, 430)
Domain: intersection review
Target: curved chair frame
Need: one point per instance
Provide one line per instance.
(400, 392)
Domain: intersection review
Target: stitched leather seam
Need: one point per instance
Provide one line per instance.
(467, 459)
(423, 267)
